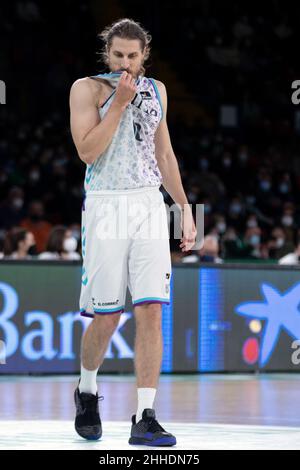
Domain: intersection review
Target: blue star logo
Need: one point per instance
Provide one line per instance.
(280, 312)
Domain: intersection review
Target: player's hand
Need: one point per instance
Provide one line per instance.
(188, 228)
(126, 90)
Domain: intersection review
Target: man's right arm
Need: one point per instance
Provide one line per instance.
(91, 135)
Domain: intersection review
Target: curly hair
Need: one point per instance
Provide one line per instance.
(125, 28)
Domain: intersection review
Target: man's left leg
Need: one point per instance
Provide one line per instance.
(148, 344)
(148, 357)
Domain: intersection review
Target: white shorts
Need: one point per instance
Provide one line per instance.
(125, 242)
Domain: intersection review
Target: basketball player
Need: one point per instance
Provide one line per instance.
(119, 127)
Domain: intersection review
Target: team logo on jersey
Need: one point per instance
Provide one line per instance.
(146, 95)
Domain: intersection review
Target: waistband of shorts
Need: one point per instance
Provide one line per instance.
(121, 192)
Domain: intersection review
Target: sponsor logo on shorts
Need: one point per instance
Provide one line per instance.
(110, 303)
(104, 304)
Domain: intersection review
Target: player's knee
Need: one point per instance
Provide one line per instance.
(148, 315)
(107, 322)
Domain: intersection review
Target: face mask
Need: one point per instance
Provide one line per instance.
(243, 157)
(70, 244)
(34, 176)
(279, 242)
(284, 188)
(232, 237)
(18, 203)
(254, 240)
(265, 185)
(192, 197)
(287, 220)
(227, 162)
(251, 200)
(76, 234)
(203, 164)
(221, 226)
(235, 208)
(207, 209)
(252, 223)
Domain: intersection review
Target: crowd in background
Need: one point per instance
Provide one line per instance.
(240, 159)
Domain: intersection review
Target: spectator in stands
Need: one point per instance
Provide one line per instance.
(288, 220)
(252, 221)
(37, 224)
(2, 245)
(278, 245)
(219, 225)
(252, 238)
(209, 253)
(19, 244)
(247, 176)
(234, 246)
(61, 245)
(291, 258)
(236, 213)
(12, 208)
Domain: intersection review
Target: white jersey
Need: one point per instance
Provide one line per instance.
(129, 161)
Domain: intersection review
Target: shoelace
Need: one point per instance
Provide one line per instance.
(91, 402)
(154, 426)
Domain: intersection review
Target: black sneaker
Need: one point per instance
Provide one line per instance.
(148, 431)
(87, 421)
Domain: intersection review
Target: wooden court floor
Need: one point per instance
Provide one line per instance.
(205, 411)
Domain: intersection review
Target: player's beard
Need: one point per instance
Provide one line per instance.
(135, 74)
(128, 71)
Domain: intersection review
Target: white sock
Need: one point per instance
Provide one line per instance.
(88, 381)
(145, 400)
